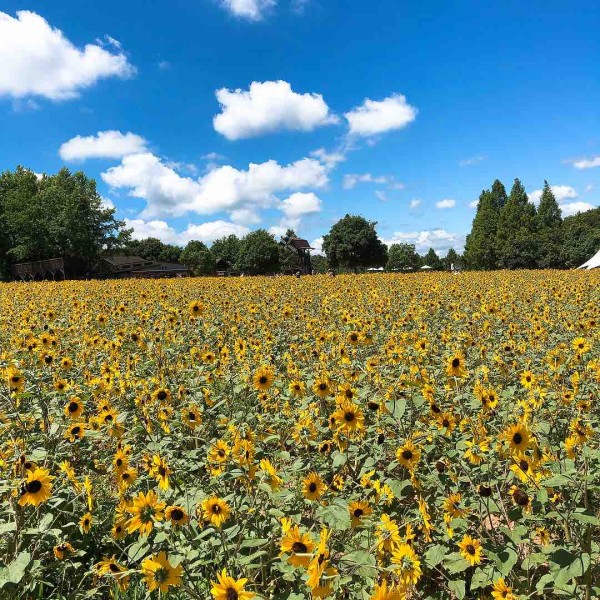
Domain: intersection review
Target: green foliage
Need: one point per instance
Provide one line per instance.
(432, 260)
(153, 249)
(227, 249)
(259, 253)
(352, 243)
(581, 237)
(403, 257)
(451, 258)
(550, 232)
(480, 247)
(58, 215)
(319, 264)
(516, 240)
(197, 257)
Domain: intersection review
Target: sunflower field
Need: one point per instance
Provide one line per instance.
(380, 437)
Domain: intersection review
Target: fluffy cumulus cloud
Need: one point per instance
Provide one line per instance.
(38, 60)
(318, 246)
(446, 203)
(586, 163)
(299, 205)
(375, 117)
(572, 208)
(438, 239)
(561, 193)
(105, 144)
(206, 232)
(415, 203)
(224, 188)
(267, 107)
(331, 159)
(253, 10)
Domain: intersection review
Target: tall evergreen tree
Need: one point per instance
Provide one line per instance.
(432, 260)
(499, 197)
(480, 246)
(550, 232)
(451, 258)
(516, 239)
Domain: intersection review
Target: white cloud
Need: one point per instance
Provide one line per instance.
(222, 189)
(267, 107)
(473, 203)
(446, 203)
(299, 6)
(38, 60)
(278, 230)
(438, 239)
(300, 204)
(244, 216)
(382, 196)
(561, 193)
(105, 144)
(469, 162)
(586, 163)
(415, 203)
(318, 246)
(374, 117)
(106, 203)
(205, 232)
(253, 10)
(351, 180)
(572, 208)
(589, 187)
(331, 159)
(164, 65)
(213, 156)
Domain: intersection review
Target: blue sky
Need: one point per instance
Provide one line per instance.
(200, 118)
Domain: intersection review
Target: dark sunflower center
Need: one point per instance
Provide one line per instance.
(232, 594)
(262, 381)
(517, 438)
(196, 308)
(446, 423)
(33, 487)
(15, 379)
(75, 430)
(349, 417)
(407, 454)
(322, 386)
(524, 465)
(358, 512)
(177, 514)
(113, 568)
(299, 548)
(73, 406)
(312, 487)
(161, 395)
(191, 416)
(373, 405)
(521, 498)
(455, 363)
(216, 509)
(485, 491)
(470, 549)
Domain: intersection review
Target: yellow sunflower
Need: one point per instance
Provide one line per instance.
(358, 510)
(74, 408)
(215, 510)
(295, 543)
(313, 486)
(177, 515)
(159, 574)
(263, 378)
(408, 455)
(145, 510)
(36, 488)
(406, 565)
(471, 550)
(228, 588)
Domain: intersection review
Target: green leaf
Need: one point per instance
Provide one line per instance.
(457, 588)
(435, 555)
(335, 515)
(366, 560)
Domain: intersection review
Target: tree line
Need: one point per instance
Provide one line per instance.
(509, 232)
(63, 215)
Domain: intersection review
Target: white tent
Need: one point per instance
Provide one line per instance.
(593, 263)
(426, 267)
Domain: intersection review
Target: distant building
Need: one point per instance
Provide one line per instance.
(302, 248)
(109, 267)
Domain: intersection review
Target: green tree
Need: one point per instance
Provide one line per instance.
(581, 237)
(352, 243)
(432, 260)
(153, 249)
(198, 258)
(288, 257)
(480, 246)
(499, 197)
(403, 257)
(319, 264)
(58, 215)
(259, 253)
(227, 249)
(550, 232)
(516, 239)
(452, 258)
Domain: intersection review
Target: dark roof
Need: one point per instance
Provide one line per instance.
(162, 266)
(299, 244)
(119, 260)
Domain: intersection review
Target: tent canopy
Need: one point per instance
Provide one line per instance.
(593, 263)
